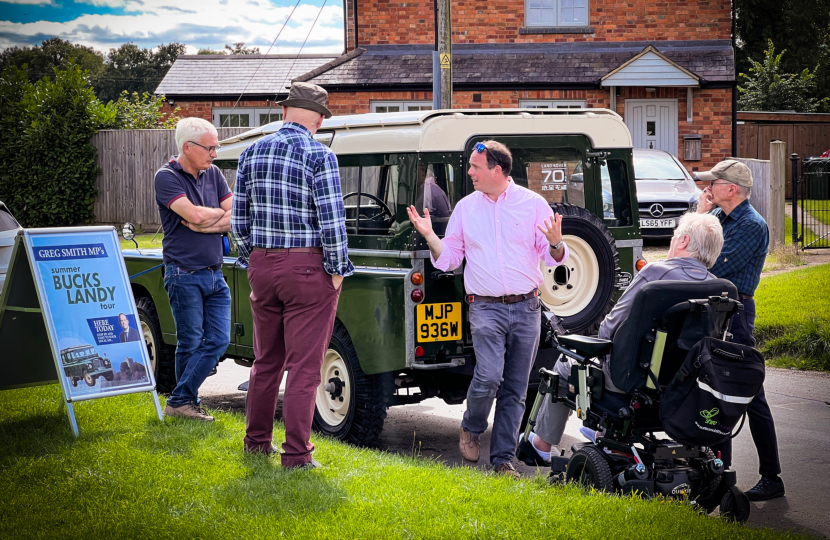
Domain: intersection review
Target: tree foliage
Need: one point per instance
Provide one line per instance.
(47, 162)
(238, 48)
(134, 69)
(141, 111)
(55, 52)
(801, 27)
(768, 88)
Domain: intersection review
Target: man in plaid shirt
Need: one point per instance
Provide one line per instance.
(745, 247)
(288, 222)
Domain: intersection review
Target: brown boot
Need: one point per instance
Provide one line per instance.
(188, 410)
(470, 446)
(506, 469)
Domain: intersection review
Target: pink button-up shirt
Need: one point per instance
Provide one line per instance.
(500, 240)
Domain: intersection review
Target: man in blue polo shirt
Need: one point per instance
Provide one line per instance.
(195, 208)
(745, 248)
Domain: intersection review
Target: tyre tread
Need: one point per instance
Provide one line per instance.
(166, 360)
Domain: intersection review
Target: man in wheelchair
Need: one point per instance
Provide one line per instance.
(622, 383)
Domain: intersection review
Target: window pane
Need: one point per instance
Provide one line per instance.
(657, 166)
(435, 182)
(547, 4)
(268, 118)
(534, 4)
(419, 107)
(555, 174)
(616, 202)
(548, 17)
(244, 120)
(534, 17)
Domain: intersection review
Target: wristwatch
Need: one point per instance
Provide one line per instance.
(558, 245)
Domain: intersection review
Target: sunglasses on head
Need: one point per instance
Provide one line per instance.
(479, 147)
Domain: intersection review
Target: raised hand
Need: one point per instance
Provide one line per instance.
(422, 224)
(705, 204)
(552, 229)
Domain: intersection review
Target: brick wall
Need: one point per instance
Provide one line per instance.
(384, 22)
(204, 109)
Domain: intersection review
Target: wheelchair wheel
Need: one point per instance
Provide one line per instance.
(734, 505)
(589, 468)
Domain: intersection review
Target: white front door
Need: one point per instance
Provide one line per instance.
(653, 123)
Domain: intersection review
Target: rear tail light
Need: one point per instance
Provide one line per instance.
(417, 295)
(640, 264)
(417, 278)
(419, 351)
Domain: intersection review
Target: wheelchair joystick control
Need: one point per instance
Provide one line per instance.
(716, 465)
(626, 413)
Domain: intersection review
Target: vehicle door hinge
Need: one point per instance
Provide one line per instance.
(239, 329)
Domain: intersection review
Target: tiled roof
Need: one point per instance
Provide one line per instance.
(549, 63)
(219, 75)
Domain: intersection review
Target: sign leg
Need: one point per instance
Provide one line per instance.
(158, 405)
(74, 423)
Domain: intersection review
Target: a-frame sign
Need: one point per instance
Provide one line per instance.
(68, 316)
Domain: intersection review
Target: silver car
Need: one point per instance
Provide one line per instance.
(8, 230)
(665, 191)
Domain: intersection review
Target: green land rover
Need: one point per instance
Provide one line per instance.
(402, 333)
(83, 362)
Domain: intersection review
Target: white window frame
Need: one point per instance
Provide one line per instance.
(557, 8)
(553, 103)
(253, 114)
(402, 104)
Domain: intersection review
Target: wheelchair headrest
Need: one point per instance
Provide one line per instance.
(631, 348)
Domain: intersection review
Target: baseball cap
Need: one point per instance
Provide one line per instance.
(729, 170)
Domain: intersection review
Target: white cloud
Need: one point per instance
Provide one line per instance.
(206, 24)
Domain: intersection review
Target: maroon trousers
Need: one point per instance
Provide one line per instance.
(294, 303)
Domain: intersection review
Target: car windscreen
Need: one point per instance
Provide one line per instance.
(656, 167)
(7, 222)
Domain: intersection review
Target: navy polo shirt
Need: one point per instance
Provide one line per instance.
(188, 249)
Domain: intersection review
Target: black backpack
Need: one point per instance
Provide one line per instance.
(711, 392)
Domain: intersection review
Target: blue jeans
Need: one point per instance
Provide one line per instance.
(505, 340)
(201, 303)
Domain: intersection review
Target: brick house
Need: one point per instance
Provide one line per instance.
(666, 67)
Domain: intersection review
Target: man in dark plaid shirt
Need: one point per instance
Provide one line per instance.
(288, 221)
(745, 247)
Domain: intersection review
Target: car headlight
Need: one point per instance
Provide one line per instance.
(89, 366)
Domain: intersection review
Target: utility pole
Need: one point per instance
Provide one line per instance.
(442, 57)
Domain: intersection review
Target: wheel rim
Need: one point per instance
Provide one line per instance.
(150, 342)
(333, 403)
(88, 379)
(580, 273)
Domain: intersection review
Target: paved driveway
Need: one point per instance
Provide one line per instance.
(800, 403)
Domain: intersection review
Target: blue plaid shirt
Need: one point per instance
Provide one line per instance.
(287, 194)
(745, 247)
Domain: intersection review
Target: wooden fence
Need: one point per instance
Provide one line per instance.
(129, 160)
(804, 134)
(768, 189)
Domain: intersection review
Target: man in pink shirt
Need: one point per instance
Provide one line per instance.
(503, 230)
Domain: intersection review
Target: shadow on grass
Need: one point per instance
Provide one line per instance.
(35, 436)
(268, 489)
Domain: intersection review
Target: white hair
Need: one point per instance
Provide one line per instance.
(744, 192)
(705, 236)
(188, 129)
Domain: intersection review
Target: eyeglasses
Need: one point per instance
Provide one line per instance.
(210, 149)
(716, 183)
(479, 147)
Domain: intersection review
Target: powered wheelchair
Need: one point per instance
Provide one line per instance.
(631, 452)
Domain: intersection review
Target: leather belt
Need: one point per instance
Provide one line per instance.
(291, 250)
(743, 296)
(506, 299)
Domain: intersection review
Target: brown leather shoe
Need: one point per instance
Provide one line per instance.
(470, 446)
(506, 469)
(188, 410)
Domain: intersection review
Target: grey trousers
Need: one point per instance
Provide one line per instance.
(505, 339)
(551, 421)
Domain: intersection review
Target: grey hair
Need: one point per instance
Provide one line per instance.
(705, 236)
(744, 192)
(192, 128)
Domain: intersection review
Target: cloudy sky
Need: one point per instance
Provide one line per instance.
(105, 24)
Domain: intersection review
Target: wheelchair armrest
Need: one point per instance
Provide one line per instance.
(589, 347)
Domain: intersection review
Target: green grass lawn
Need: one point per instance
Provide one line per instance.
(131, 476)
(793, 320)
(145, 240)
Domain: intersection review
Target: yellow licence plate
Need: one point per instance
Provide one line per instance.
(439, 322)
